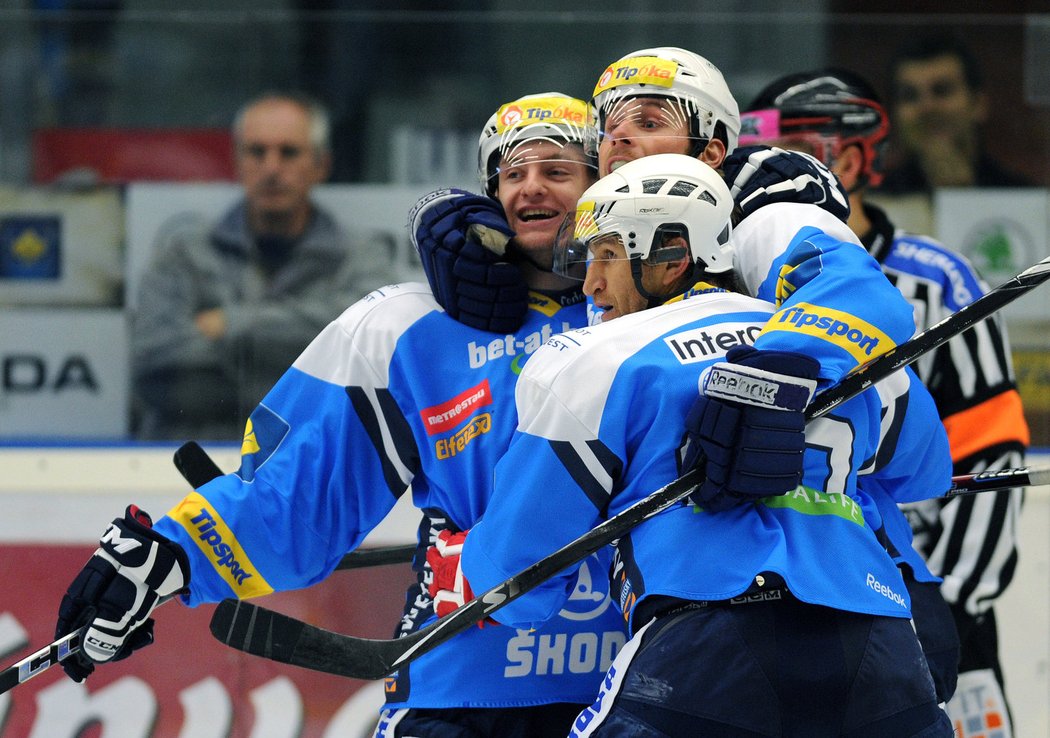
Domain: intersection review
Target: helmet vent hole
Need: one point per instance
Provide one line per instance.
(652, 186)
(625, 188)
(682, 189)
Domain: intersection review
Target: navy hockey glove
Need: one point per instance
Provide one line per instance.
(747, 428)
(761, 175)
(117, 590)
(461, 239)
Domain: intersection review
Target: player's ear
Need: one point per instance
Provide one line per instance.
(674, 272)
(714, 153)
(849, 166)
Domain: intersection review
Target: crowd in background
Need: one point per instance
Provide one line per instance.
(959, 120)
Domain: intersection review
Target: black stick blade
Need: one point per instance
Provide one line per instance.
(261, 632)
(194, 464)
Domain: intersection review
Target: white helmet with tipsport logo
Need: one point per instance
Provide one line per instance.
(649, 199)
(551, 117)
(681, 75)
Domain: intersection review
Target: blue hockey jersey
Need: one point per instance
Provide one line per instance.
(601, 412)
(396, 394)
(813, 269)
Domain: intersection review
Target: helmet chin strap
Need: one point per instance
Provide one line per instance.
(651, 299)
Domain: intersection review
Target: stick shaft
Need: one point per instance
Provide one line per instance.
(235, 622)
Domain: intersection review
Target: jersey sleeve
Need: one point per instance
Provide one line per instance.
(324, 457)
(833, 301)
(557, 451)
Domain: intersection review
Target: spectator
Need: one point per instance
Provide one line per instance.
(970, 541)
(939, 107)
(225, 308)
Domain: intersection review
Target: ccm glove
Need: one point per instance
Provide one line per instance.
(747, 428)
(761, 175)
(461, 239)
(116, 591)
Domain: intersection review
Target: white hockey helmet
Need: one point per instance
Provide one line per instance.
(681, 75)
(650, 198)
(547, 116)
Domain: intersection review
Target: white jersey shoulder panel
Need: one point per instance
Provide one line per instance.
(565, 386)
(766, 234)
(363, 338)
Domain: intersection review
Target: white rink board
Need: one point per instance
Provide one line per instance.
(69, 495)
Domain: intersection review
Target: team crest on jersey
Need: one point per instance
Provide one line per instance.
(263, 433)
(589, 597)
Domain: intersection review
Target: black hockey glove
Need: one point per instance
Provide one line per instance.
(747, 428)
(461, 239)
(762, 175)
(117, 590)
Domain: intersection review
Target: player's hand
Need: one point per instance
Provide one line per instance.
(762, 175)
(747, 428)
(449, 588)
(461, 239)
(117, 590)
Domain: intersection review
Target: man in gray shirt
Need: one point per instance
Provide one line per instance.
(224, 308)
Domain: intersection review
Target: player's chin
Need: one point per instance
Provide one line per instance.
(535, 241)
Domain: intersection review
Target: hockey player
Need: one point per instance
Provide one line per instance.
(751, 614)
(392, 394)
(800, 257)
(970, 541)
(685, 107)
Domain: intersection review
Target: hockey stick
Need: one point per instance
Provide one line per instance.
(39, 661)
(198, 468)
(262, 632)
(998, 481)
(965, 484)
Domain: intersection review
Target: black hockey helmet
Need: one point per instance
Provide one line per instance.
(827, 110)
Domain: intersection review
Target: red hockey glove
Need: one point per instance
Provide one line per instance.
(449, 588)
